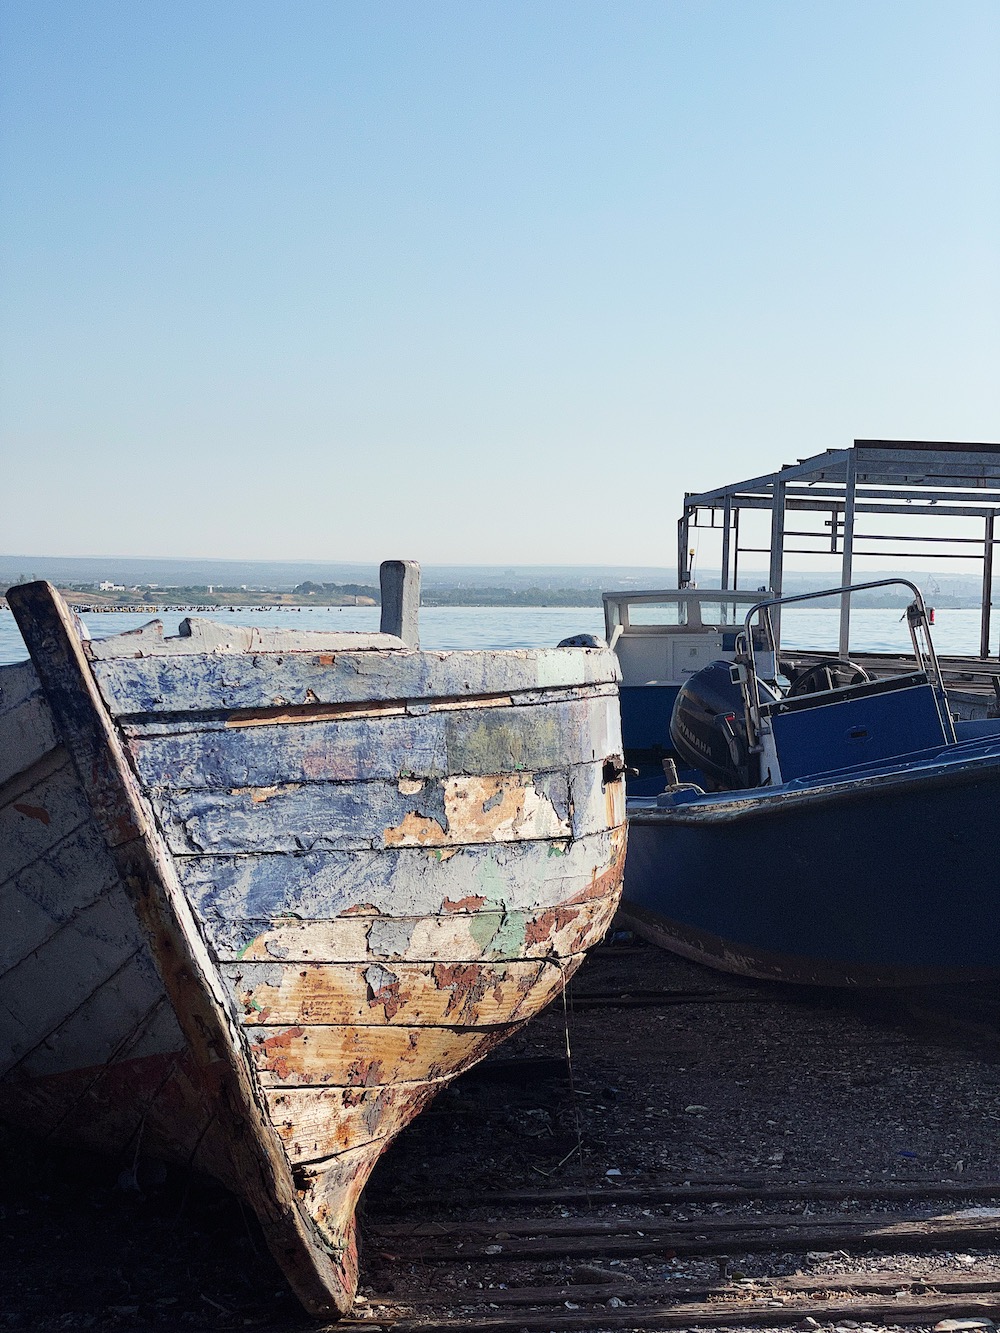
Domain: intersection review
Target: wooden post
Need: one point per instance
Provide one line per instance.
(400, 582)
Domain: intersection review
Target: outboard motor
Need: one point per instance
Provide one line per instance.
(708, 729)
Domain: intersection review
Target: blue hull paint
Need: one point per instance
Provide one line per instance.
(878, 875)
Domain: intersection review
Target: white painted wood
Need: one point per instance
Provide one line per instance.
(397, 882)
(534, 738)
(109, 1024)
(199, 635)
(44, 989)
(38, 817)
(43, 896)
(26, 735)
(210, 682)
(400, 586)
(487, 935)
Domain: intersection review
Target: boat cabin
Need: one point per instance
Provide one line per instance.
(662, 638)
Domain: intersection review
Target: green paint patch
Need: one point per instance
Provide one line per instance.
(510, 938)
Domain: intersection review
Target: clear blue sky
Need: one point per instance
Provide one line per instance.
(482, 281)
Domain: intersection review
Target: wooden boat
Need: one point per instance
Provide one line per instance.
(265, 893)
(838, 830)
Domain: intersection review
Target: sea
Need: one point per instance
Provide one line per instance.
(956, 631)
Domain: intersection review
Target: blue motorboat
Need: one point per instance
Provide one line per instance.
(832, 828)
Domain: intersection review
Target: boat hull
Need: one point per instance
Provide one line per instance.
(880, 880)
(266, 898)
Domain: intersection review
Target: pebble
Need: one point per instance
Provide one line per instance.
(954, 1325)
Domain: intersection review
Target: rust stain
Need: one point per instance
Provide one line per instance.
(543, 927)
(33, 812)
(468, 984)
(362, 1073)
(383, 990)
(361, 909)
(469, 904)
(272, 1054)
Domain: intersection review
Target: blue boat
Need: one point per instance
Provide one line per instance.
(833, 829)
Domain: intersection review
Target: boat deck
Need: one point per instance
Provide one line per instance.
(973, 683)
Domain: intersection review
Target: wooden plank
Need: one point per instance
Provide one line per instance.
(229, 891)
(755, 1189)
(176, 724)
(18, 681)
(197, 634)
(535, 738)
(106, 1020)
(463, 937)
(45, 895)
(180, 683)
(747, 1292)
(368, 815)
(881, 1231)
(51, 808)
(400, 589)
(353, 1057)
(924, 1310)
(316, 1123)
(26, 735)
(42, 990)
(324, 1279)
(409, 994)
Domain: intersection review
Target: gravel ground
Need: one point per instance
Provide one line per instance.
(780, 1084)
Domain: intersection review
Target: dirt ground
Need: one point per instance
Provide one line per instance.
(719, 1079)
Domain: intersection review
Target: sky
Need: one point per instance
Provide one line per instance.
(482, 282)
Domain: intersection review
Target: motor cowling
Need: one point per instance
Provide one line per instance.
(708, 730)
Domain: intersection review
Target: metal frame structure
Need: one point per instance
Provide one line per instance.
(914, 478)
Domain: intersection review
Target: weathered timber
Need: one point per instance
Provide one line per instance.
(712, 1314)
(350, 869)
(400, 590)
(492, 934)
(359, 1057)
(749, 1291)
(521, 737)
(751, 1189)
(197, 635)
(402, 881)
(183, 684)
(49, 892)
(550, 1239)
(476, 994)
(187, 970)
(45, 987)
(445, 813)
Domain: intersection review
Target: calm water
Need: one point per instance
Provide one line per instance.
(956, 631)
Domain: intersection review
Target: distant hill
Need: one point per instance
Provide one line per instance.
(456, 585)
(283, 576)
